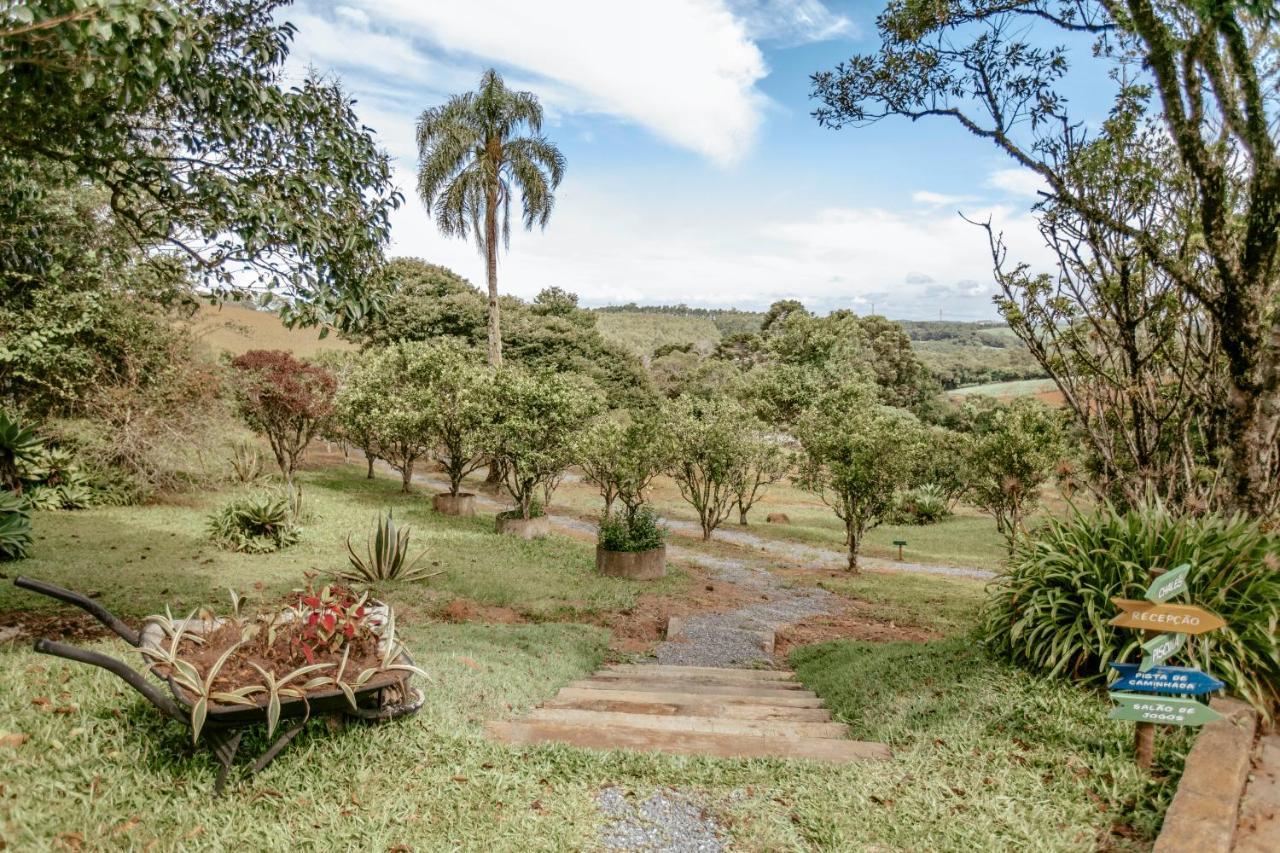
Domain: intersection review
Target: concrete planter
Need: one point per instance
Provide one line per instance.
(636, 565)
(525, 528)
(463, 503)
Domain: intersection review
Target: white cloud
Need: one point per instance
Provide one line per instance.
(791, 22)
(684, 69)
(938, 199)
(1018, 182)
(910, 265)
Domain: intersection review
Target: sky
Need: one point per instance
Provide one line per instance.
(696, 173)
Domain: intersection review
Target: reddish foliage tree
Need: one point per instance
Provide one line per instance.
(285, 399)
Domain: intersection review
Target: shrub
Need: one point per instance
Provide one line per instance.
(246, 463)
(15, 526)
(285, 399)
(255, 524)
(535, 511)
(19, 446)
(638, 531)
(54, 481)
(1050, 611)
(925, 504)
(386, 556)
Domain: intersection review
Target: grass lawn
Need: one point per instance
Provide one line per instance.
(987, 757)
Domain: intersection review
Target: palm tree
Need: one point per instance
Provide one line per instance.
(470, 161)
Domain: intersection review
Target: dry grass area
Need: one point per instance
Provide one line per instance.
(235, 329)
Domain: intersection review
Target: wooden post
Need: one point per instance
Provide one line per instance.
(899, 543)
(1144, 734)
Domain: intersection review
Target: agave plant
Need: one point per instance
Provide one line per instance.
(247, 464)
(386, 556)
(19, 446)
(254, 524)
(15, 526)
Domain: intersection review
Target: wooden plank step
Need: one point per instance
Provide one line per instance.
(583, 690)
(720, 725)
(686, 743)
(701, 678)
(660, 684)
(692, 671)
(709, 708)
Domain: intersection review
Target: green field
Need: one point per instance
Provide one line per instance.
(1004, 390)
(1024, 762)
(642, 332)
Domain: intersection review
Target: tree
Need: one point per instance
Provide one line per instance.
(856, 455)
(261, 188)
(1014, 451)
(284, 399)
(1207, 73)
(709, 442)
(470, 162)
(942, 463)
(386, 402)
(622, 453)
(536, 422)
(459, 409)
(767, 462)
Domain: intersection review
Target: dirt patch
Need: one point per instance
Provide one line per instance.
(463, 610)
(850, 622)
(67, 627)
(639, 629)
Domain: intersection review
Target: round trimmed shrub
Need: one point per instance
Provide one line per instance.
(1050, 612)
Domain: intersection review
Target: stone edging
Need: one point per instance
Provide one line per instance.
(1202, 817)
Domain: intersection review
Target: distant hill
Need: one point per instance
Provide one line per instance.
(234, 328)
(642, 332)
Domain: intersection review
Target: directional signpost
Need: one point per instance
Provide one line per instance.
(1166, 627)
(1179, 680)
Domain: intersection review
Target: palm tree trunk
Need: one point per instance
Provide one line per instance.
(491, 264)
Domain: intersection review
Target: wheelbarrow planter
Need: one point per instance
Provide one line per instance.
(385, 696)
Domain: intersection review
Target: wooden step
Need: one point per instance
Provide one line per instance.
(685, 696)
(700, 678)
(686, 743)
(693, 671)
(720, 725)
(661, 684)
(694, 709)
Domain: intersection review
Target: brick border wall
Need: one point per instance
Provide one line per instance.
(1202, 817)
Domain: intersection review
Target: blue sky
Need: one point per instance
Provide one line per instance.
(696, 173)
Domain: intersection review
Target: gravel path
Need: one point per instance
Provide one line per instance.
(670, 821)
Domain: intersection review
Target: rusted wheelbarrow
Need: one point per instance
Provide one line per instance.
(384, 697)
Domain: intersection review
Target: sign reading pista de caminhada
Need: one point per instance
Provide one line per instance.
(1177, 680)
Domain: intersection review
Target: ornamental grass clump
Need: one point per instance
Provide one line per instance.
(632, 531)
(1049, 613)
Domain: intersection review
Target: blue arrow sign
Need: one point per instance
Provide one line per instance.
(1164, 679)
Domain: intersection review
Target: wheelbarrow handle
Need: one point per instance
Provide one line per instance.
(92, 607)
(127, 673)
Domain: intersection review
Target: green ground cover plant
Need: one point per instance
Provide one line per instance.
(1050, 612)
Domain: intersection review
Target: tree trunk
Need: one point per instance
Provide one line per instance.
(742, 515)
(370, 460)
(854, 541)
(491, 269)
(406, 475)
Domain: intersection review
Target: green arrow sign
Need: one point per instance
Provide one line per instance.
(1138, 708)
(1159, 649)
(1168, 584)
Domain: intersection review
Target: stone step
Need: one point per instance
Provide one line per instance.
(697, 671)
(702, 685)
(658, 679)
(708, 708)
(690, 694)
(683, 723)
(686, 743)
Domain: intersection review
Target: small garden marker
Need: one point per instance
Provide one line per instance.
(901, 543)
(1133, 690)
